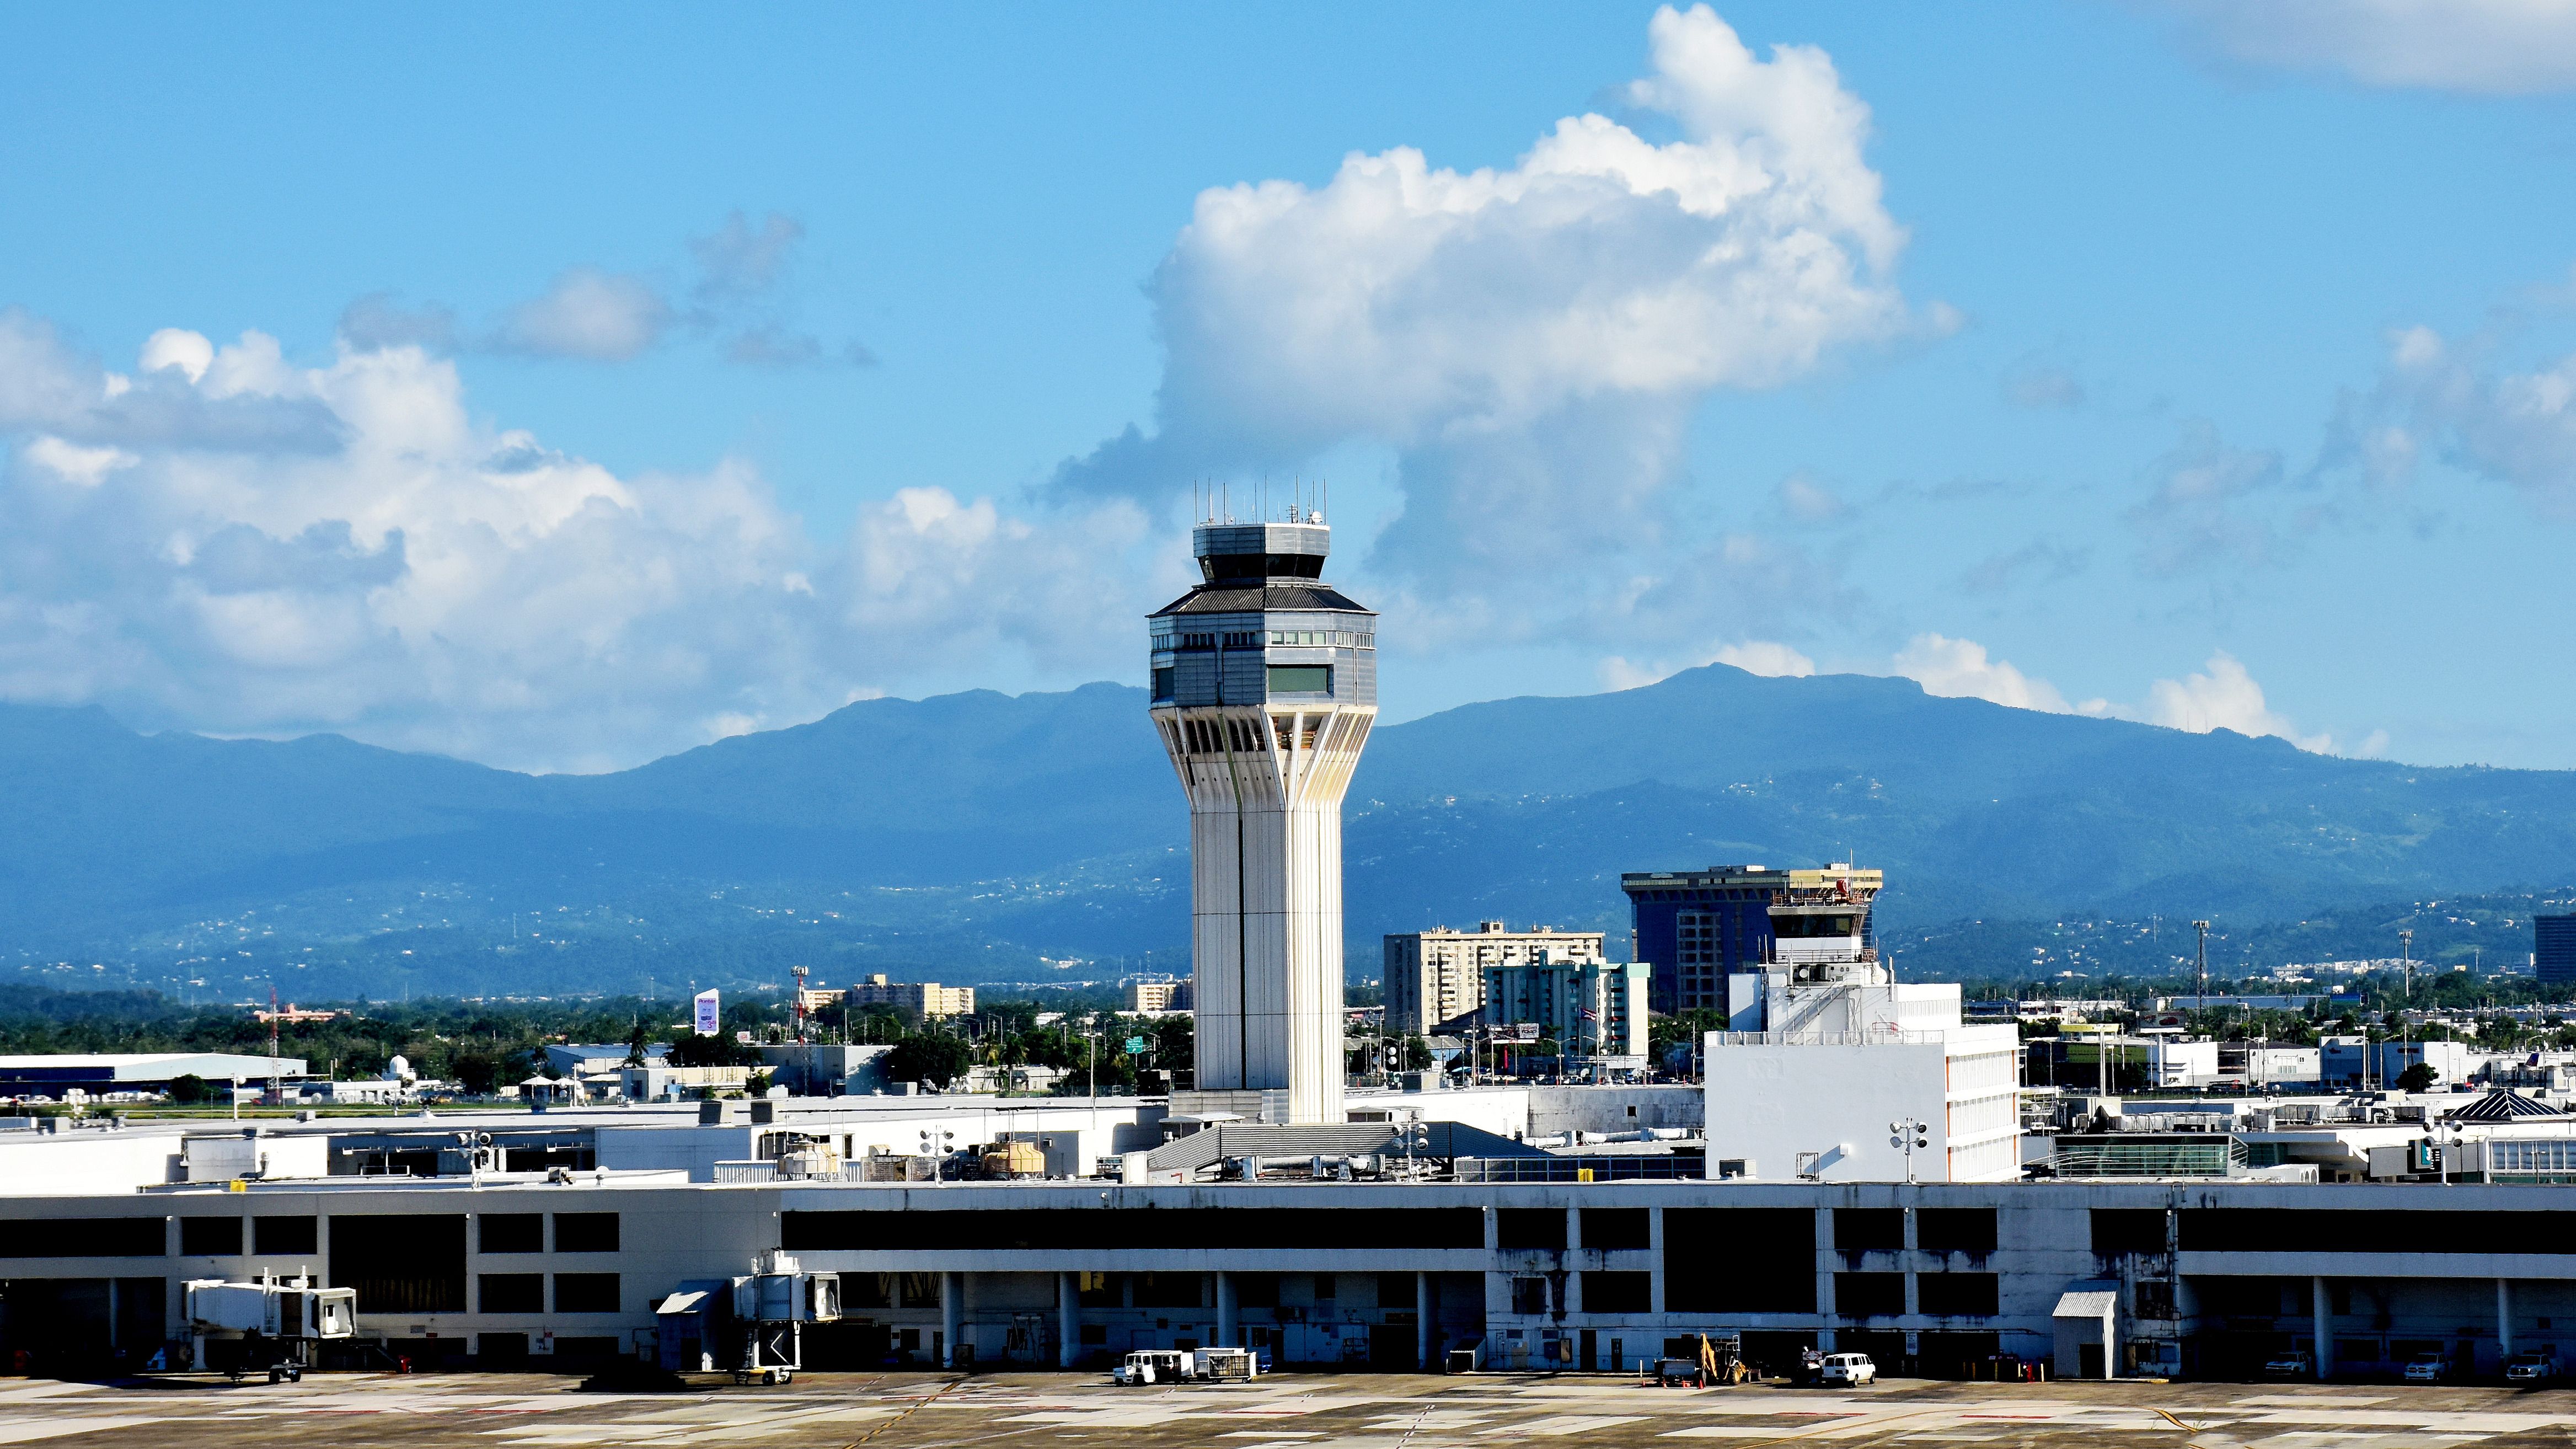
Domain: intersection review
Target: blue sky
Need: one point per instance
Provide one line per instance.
(559, 390)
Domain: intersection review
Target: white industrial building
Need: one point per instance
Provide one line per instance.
(72, 1077)
(2348, 1062)
(1833, 1071)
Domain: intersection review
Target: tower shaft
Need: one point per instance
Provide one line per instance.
(1265, 787)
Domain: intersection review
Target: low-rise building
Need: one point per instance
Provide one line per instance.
(1438, 975)
(58, 1075)
(2348, 1063)
(568, 1059)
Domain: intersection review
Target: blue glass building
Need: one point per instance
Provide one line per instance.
(2553, 947)
(1699, 927)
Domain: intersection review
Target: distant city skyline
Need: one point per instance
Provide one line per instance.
(561, 391)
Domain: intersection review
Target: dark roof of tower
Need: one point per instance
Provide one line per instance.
(2503, 1105)
(1221, 600)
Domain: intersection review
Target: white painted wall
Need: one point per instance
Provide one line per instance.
(1770, 1102)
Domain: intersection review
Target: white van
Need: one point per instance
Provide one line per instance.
(1849, 1369)
(1155, 1366)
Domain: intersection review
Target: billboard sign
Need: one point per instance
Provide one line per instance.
(707, 1012)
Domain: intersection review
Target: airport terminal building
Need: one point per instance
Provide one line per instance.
(482, 1266)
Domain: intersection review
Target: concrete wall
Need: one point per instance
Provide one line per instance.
(1554, 1109)
(1768, 1104)
(86, 1160)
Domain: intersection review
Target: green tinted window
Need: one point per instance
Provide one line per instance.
(1301, 679)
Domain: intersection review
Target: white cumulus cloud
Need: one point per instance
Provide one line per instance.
(2494, 47)
(2222, 696)
(1961, 669)
(1754, 656)
(231, 541)
(1529, 341)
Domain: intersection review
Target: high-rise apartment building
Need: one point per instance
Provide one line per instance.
(1264, 691)
(1439, 975)
(2553, 947)
(1591, 1008)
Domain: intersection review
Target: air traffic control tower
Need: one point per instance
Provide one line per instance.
(1265, 685)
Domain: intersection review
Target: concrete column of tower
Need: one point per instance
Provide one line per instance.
(1264, 691)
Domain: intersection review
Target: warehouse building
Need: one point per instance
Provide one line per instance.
(57, 1076)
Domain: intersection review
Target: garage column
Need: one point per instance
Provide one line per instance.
(1426, 1312)
(952, 1314)
(1068, 1314)
(2504, 1322)
(1226, 1314)
(2321, 1330)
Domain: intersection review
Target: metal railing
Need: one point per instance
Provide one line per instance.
(1579, 1169)
(1877, 1036)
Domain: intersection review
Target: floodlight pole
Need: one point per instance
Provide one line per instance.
(2203, 928)
(2406, 966)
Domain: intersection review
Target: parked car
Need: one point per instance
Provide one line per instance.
(2427, 1368)
(2531, 1366)
(2291, 1365)
(1850, 1369)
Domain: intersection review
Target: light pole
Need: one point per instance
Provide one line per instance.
(2203, 928)
(1908, 1133)
(2405, 1024)
(935, 1146)
(2445, 1134)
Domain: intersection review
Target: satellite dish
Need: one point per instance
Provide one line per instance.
(398, 1070)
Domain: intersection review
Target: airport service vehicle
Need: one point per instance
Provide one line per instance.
(266, 1325)
(1227, 1365)
(2531, 1366)
(2427, 1368)
(2292, 1365)
(1720, 1361)
(1848, 1369)
(1156, 1366)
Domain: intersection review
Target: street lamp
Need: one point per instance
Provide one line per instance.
(1414, 1135)
(1908, 1133)
(2446, 1134)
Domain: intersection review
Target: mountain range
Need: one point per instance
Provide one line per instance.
(1041, 837)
